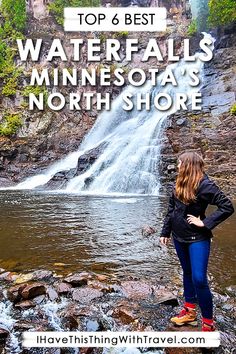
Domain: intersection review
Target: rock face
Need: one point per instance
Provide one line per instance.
(212, 131)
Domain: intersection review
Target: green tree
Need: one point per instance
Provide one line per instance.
(222, 12)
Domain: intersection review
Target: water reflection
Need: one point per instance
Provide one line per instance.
(99, 234)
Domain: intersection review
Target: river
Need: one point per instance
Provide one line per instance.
(100, 234)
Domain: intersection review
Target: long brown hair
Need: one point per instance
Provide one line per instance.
(190, 174)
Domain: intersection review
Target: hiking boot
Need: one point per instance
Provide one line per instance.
(186, 316)
(206, 327)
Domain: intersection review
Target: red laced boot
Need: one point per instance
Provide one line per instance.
(208, 325)
(186, 316)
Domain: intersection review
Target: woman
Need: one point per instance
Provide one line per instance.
(191, 231)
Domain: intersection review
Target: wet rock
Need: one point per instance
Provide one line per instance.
(102, 277)
(24, 278)
(124, 314)
(36, 275)
(23, 325)
(136, 290)
(88, 311)
(33, 290)
(105, 288)
(64, 288)
(52, 294)
(3, 335)
(23, 305)
(78, 279)
(165, 297)
(42, 275)
(60, 179)
(7, 276)
(148, 230)
(85, 295)
(231, 290)
(39, 299)
(92, 326)
(14, 293)
(70, 322)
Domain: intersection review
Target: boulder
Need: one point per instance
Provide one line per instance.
(64, 288)
(165, 297)
(78, 279)
(52, 294)
(7, 276)
(14, 293)
(124, 314)
(85, 295)
(33, 290)
(136, 290)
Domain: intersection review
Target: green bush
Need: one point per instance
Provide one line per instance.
(10, 124)
(192, 29)
(36, 90)
(121, 34)
(233, 109)
(13, 22)
(221, 12)
(14, 11)
(57, 7)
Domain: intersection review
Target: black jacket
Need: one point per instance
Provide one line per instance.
(176, 218)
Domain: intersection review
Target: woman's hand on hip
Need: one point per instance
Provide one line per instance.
(164, 240)
(194, 220)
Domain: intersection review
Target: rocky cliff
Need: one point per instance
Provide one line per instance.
(212, 131)
(46, 136)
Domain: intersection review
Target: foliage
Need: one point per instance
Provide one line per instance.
(57, 7)
(10, 86)
(233, 109)
(13, 22)
(36, 90)
(192, 29)
(221, 12)
(14, 11)
(10, 124)
(121, 34)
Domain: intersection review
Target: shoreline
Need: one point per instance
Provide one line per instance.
(87, 301)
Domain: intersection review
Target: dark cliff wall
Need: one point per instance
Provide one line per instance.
(212, 132)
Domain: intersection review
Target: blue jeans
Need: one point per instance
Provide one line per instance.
(194, 260)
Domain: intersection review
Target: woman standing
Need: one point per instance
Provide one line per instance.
(191, 231)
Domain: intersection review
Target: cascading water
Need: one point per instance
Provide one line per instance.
(130, 141)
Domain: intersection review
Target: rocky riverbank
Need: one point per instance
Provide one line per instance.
(43, 301)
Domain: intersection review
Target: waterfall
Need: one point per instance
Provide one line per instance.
(131, 144)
